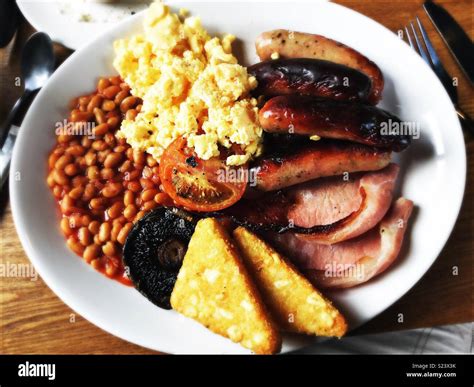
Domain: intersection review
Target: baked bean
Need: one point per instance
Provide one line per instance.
(58, 191)
(98, 203)
(146, 184)
(102, 155)
(86, 142)
(125, 86)
(108, 105)
(147, 172)
(84, 236)
(60, 177)
(94, 103)
(100, 117)
(131, 114)
(91, 252)
(76, 193)
(156, 180)
(112, 189)
(110, 268)
(140, 215)
(107, 173)
(138, 157)
(128, 103)
(79, 181)
(101, 129)
(76, 150)
(128, 198)
(113, 122)
(111, 91)
(53, 157)
(93, 172)
(90, 158)
(99, 145)
(89, 192)
(97, 240)
(104, 231)
(67, 204)
(74, 245)
(115, 210)
(148, 194)
(50, 180)
(85, 220)
(112, 160)
(150, 161)
(122, 235)
(132, 175)
(84, 100)
(126, 166)
(129, 154)
(65, 227)
(62, 161)
(110, 140)
(71, 169)
(134, 186)
(115, 80)
(162, 199)
(138, 108)
(102, 84)
(94, 227)
(78, 116)
(130, 211)
(121, 96)
(96, 264)
(116, 227)
(148, 206)
(63, 138)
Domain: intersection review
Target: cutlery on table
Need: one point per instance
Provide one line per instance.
(454, 36)
(431, 58)
(37, 65)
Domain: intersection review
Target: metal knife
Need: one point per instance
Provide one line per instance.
(454, 36)
(6, 154)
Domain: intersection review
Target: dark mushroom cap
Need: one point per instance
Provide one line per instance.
(154, 252)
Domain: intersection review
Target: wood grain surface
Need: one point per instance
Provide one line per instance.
(34, 320)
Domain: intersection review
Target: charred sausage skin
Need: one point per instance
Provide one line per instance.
(314, 160)
(292, 44)
(306, 115)
(310, 77)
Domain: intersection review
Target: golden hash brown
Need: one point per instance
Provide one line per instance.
(296, 305)
(215, 289)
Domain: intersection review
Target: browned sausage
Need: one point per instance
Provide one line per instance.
(310, 77)
(314, 160)
(342, 120)
(290, 44)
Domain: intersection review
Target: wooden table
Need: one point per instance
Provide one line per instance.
(34, 320)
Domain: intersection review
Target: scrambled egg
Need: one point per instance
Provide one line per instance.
(191, 85)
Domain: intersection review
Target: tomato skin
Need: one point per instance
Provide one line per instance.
(200, 185)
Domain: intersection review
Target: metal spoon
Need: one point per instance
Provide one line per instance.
(10, 18)
(37, 65)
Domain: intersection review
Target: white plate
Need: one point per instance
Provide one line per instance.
(74, 23)
(433, 173)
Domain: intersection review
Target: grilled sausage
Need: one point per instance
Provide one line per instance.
(310, 77)
(314, 160)
(290, 44)
(327, 118)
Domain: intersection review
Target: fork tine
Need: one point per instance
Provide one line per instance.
(421, 49)
(431, 51)
(410, 42)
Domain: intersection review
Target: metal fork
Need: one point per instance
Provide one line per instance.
(431, 58)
